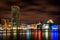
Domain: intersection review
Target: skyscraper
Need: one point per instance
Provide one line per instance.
(15, 15)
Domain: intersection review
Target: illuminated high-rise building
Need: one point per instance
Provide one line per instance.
(15, 15)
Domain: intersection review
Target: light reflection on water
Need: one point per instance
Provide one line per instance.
(16, 35)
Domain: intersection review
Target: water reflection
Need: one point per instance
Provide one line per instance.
(1, 35)
(22, 34)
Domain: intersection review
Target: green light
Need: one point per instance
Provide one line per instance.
(46, 31)
(46, 34)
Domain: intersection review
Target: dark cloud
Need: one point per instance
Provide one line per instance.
(32, 10)
(55, 13)
(54, 2)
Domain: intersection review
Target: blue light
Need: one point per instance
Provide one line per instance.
(28, 34)
(54, 32)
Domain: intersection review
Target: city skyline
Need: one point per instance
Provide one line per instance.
(32, 11)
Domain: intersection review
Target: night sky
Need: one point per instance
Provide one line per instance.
(32, 10)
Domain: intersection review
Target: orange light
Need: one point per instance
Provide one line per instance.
(50, 21)
(18, 28)
(33, 26)
(39, 35)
